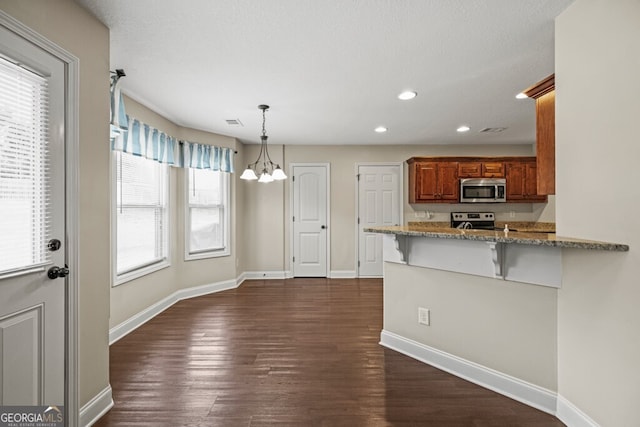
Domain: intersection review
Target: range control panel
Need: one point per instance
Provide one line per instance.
(472, 216)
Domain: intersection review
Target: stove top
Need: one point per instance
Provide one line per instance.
(473, 220)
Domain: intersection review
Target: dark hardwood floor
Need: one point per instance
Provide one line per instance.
(299, 352)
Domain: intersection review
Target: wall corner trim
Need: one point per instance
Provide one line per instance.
(152, 311)
(569, 414)
(94, 409)
(514, 388)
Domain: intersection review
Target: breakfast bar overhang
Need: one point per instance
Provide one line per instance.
(527, 257)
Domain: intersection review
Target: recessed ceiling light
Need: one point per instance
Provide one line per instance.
(463, 128)
(492, 130)
(380, 129)
(407, 94)
(521, 95)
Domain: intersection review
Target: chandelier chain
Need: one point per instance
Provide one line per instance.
(264, 131)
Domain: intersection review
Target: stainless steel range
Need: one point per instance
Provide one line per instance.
(473, 220)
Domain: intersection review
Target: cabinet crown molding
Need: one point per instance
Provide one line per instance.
(471, 159)
(542, 87)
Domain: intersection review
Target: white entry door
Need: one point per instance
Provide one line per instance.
(310, 225)
(379, 204)
(32, 202)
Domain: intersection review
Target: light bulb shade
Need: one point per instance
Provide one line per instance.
(265, 177)
(248, 174)
(278, 174)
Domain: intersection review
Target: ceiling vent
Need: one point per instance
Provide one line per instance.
(234, 122)
(492, 130)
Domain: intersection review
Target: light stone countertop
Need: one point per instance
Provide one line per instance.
(523, 238)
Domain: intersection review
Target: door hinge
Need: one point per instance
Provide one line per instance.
(294, 259)
(358, 263)
(294, 218)
(358, 176)
(358, 220)
(293, 178)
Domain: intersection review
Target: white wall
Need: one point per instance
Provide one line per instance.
(507, 326)
(597, 114)
(263, 216)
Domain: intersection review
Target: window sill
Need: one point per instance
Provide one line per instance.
(136, 274)
(206, 255)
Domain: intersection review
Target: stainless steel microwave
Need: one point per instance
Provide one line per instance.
(483, 190)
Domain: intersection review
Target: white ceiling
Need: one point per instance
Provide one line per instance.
(331, 69)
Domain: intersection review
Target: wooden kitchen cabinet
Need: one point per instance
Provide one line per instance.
(544, 94)
(480, 169)
(493, 170)
(522, 182)
(433, 182)
(470, 170)
(437, 179)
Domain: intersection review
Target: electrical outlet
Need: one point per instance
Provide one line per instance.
(512, 214)
(423, 316)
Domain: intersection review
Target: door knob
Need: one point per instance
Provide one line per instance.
(55, 272)
(323, 226)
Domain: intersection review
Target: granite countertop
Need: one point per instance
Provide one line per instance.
(526, 226)
(537, 238)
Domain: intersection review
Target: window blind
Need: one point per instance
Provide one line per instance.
(141, 209)
(24, 217)
(206, 210)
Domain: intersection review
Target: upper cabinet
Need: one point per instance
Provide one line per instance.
(544, 94)
(437, 179)
(473, 169)
(433, 182)
(522, 180)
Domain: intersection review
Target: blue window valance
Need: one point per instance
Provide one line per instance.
(132, 136)
(202, 156)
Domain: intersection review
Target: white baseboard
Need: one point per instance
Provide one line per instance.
(241, 278)
(266, 274)
(343, 274)
(137, 320)
(517, 389)
(569, 414)
(94, 409)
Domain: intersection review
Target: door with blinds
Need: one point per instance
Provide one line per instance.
(32, 219)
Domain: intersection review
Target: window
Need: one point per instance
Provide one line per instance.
(207, 216)
(24, 192)
(141, 216)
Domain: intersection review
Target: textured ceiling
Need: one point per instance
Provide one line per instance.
(331, 69)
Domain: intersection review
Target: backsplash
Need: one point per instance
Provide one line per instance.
(505, 212)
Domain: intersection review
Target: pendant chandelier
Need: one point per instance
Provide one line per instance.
(269, 171)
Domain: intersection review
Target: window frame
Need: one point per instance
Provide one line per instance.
(226, 221)
(153, 266)
(41, 152)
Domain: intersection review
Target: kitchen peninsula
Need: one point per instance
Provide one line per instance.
(529, 257)
(480, 304)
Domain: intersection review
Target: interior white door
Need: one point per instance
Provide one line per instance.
(378, 205)
(310, 225)
(32, 203)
